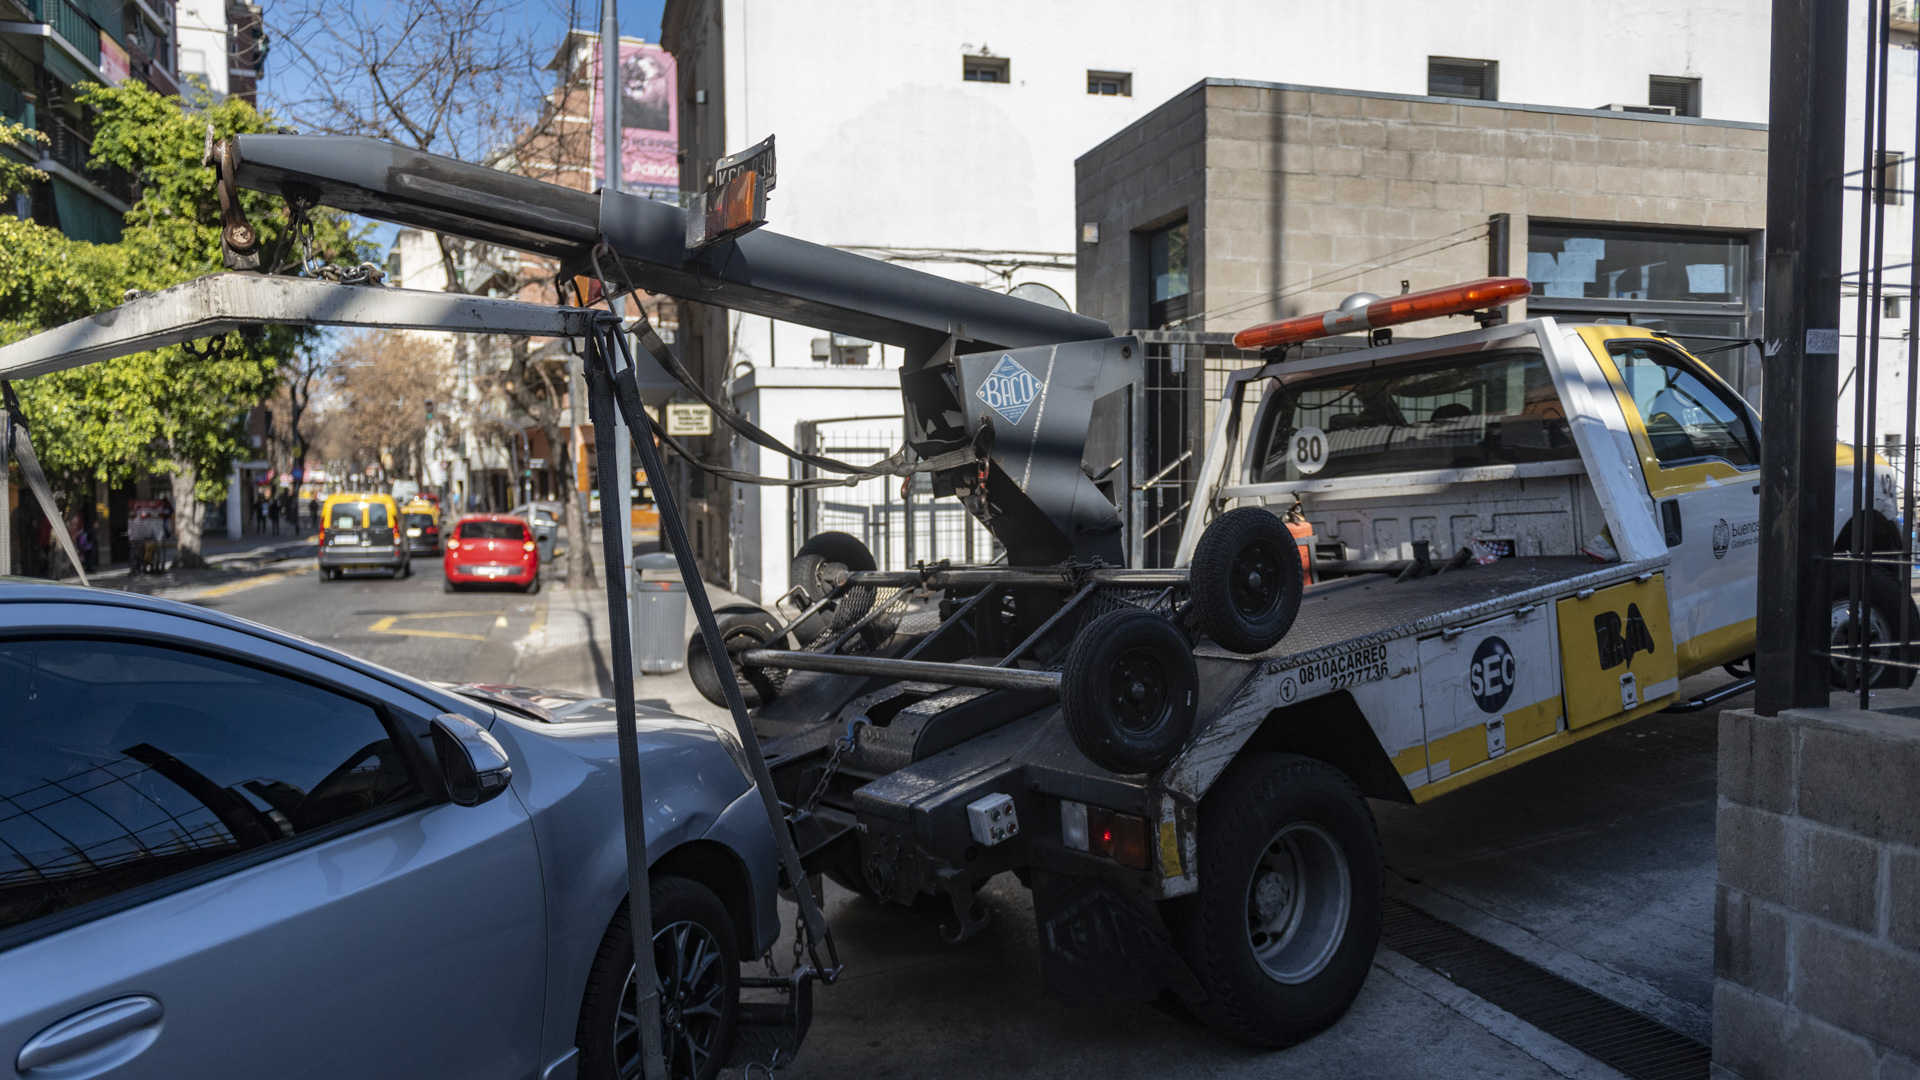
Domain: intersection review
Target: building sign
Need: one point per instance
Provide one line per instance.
(649, 120)
(695, 419)
(114, 63)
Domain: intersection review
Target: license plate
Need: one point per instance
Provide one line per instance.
(413, 532)
(493, 571)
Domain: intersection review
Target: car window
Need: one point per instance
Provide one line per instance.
(123, 764)
(418, 521)
(359, 515)
(492, 530)
(1457, 412)
(1687, 417)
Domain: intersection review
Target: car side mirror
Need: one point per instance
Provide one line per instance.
(472, 761)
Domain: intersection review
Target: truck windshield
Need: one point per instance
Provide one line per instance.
(1455, 412)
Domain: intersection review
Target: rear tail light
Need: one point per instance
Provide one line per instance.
(528, 546)
(453, 545)
(432, 531)
(1108, 833)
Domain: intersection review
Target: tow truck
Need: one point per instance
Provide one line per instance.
(1407, 567)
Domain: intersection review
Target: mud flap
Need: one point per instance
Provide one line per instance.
(1099, 942)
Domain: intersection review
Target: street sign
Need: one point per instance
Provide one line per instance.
(690, 419)
(537, 463)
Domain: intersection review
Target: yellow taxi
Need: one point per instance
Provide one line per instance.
(362, 531)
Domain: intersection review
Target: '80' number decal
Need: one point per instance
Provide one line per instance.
(1309, 450)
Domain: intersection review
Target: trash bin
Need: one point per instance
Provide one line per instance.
(660, 622)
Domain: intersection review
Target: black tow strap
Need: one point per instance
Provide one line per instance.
(627, 395)
(15, 443)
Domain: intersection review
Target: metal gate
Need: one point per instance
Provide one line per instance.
(902, 525)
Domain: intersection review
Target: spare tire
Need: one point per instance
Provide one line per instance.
(1129, 691)
(1246, 580)
(817, 569)
(739, 631)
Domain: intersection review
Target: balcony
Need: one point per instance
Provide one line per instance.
(72, 26)
(68, 147)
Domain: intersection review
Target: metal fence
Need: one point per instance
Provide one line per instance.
(902, 526)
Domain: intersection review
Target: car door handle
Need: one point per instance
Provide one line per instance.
(132, 1022)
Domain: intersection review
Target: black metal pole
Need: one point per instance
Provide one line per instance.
(1800, 365)
(1499, 236)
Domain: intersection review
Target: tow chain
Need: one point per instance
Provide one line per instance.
(843, 744)
(300, 228)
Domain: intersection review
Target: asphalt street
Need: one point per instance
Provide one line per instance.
(1595, 863)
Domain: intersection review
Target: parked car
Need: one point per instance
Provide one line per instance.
(361, 531)
(421, 519)
(492, 549)
(545, 519)
(224, 847)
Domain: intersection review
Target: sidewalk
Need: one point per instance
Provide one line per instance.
(571, 645)
(226, 559)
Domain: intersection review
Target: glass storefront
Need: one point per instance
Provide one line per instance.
(1692, 285)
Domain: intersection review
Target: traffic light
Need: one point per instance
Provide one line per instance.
(429, 410)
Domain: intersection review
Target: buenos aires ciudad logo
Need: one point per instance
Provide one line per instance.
(1008, 389)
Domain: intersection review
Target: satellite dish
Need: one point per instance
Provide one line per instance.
(1040, 294)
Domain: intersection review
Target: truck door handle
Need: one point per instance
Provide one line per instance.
(134, 1022)
(1670, 521)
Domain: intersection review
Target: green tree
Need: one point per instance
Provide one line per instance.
(179, 411)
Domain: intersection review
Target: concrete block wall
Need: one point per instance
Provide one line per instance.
(1301, 185)
(1817, 909)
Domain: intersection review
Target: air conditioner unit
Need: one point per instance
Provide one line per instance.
(1658, 110)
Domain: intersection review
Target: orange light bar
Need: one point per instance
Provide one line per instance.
(1490, 292)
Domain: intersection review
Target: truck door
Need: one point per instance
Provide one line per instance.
(1700, 452)
(1489, 688)
(1616, 650)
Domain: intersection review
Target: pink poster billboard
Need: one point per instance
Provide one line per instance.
(649, 120)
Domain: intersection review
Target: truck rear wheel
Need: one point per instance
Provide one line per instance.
(1128, 691)
(1884, 600)
(1284, 927)
(739, 632)
(1246, 580)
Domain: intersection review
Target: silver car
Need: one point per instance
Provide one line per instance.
(227, 851)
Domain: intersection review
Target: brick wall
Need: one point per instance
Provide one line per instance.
(1288, 188)
(1817, 911)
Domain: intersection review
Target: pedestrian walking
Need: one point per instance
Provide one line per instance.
(83, 543)
(273, 515)
(260, 517)
(313, 512)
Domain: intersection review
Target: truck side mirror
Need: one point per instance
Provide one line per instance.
(473, 763)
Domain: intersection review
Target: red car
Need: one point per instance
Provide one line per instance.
(492, 549)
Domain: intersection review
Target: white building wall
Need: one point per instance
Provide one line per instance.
(202, 29)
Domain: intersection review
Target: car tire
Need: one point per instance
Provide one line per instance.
(534, 585)
(819, 560)
(739, 632)
(1284, 927)
(326, 575)
(1246, 580)
(1884, 601)
(448, 586)
(1129, 690)
(698, 960)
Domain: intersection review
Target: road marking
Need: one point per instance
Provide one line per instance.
(240, 586)
(385, 625)
(501, 622)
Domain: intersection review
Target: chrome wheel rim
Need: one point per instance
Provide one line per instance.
(1298, 903)
(693, 988)
(1844, 640)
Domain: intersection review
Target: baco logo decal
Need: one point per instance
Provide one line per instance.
(1492, 674)
(1008, 389)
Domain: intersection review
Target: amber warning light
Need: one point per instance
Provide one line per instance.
(735, 201)
(1490, 292)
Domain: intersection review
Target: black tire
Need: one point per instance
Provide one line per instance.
(533, 586)
(326, 575)
(1292, 833)
(447, 585)
(1246, 580)
(740, 632)
(1128, 691)
(815, 568)
(1885, 599)
(687, 917)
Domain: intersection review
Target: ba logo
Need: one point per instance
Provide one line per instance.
(1492, 674)
(1009, 389)
(1722, 538)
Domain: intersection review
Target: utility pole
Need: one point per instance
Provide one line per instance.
(1800, 362)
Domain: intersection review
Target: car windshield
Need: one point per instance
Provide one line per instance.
(1456, 412)
(359, 515)
(492, 530)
